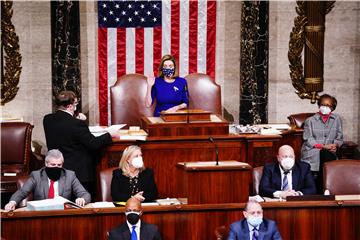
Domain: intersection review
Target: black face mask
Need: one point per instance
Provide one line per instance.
(133, 218)
(53, 173)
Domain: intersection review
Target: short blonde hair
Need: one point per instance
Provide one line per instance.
(123, 164)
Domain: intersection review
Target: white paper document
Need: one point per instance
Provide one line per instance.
(57, 203)
(102, 205)
(98, 130)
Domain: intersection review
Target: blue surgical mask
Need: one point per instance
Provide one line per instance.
(325, 110)
(254, 221)
(168, 71)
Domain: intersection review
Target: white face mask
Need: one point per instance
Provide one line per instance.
(137, 162)
(287, 163)
(325, 110)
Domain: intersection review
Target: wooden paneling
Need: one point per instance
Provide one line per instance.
(163, 153)
(214, 184)
(296, 220)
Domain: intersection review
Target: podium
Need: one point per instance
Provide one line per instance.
(187, 115)
(158, 127)
(205, 182)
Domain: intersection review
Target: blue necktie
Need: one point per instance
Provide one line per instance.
(285, 185)
(255, 234)
(133, 233)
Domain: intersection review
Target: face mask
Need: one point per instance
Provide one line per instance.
(53, 173)
(168, 71)
(287, 163)
(254, 221)
(325, 110)
(137, 162)
(132, 217)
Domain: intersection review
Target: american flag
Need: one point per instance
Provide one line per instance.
(134, 35)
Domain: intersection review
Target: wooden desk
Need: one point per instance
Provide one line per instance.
(163, 153)
(225, 183)
(295, 220)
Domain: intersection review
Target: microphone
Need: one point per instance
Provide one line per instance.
(216, 150)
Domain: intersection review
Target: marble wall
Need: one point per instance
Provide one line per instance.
(342, 62)
(33, 101)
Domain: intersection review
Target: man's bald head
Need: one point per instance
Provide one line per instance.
(133, 205)
(285, 151)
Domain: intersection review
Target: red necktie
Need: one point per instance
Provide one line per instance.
(51, 193)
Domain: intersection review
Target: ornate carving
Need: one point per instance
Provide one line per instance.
(329, 6)
(10, 52)
(297, 40)
(296, 45)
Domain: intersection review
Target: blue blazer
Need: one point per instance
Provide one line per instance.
(240, 230)
(302, 179)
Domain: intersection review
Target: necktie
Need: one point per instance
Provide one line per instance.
(133, 233)
(285, 185)
(255, 234)
(51, 193)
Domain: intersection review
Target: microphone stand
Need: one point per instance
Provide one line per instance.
(216, 151)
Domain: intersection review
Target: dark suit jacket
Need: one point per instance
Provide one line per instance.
(38, 184)
(240, 230)
(73, 138)
(120, 186)
(147, 232)
(302, 179)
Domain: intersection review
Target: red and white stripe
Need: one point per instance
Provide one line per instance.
(188, 32)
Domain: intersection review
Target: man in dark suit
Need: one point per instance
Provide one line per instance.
(254, 226)
(73, 138)
(134, 228)
(287, 177)
(51, 181)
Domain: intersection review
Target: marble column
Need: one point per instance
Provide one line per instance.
(254, 62)
(65, 42)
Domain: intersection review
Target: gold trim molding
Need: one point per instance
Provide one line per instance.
(10, 52)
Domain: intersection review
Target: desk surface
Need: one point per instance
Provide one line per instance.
(295, 220)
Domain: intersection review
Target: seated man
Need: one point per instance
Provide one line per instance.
(51, 181)
(287, 177)
(253, 226)
(134, 228)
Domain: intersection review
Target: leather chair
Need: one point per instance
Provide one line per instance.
(298, 119)
(105, 184)
(342, 176)
(221, 233)
(348, 148)
(204, 93)
(19, 183)
(15, 147)
(257, 174)
(128, 100)
(129, 91)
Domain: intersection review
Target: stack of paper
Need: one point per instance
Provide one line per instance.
(57, 203)
(99, 130)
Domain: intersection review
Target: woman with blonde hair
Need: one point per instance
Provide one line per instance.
(132, 179)
(168, 90)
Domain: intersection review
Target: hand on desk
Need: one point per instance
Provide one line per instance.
(139, 196)
(80, 202)
(284, 194)
(10, 206)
